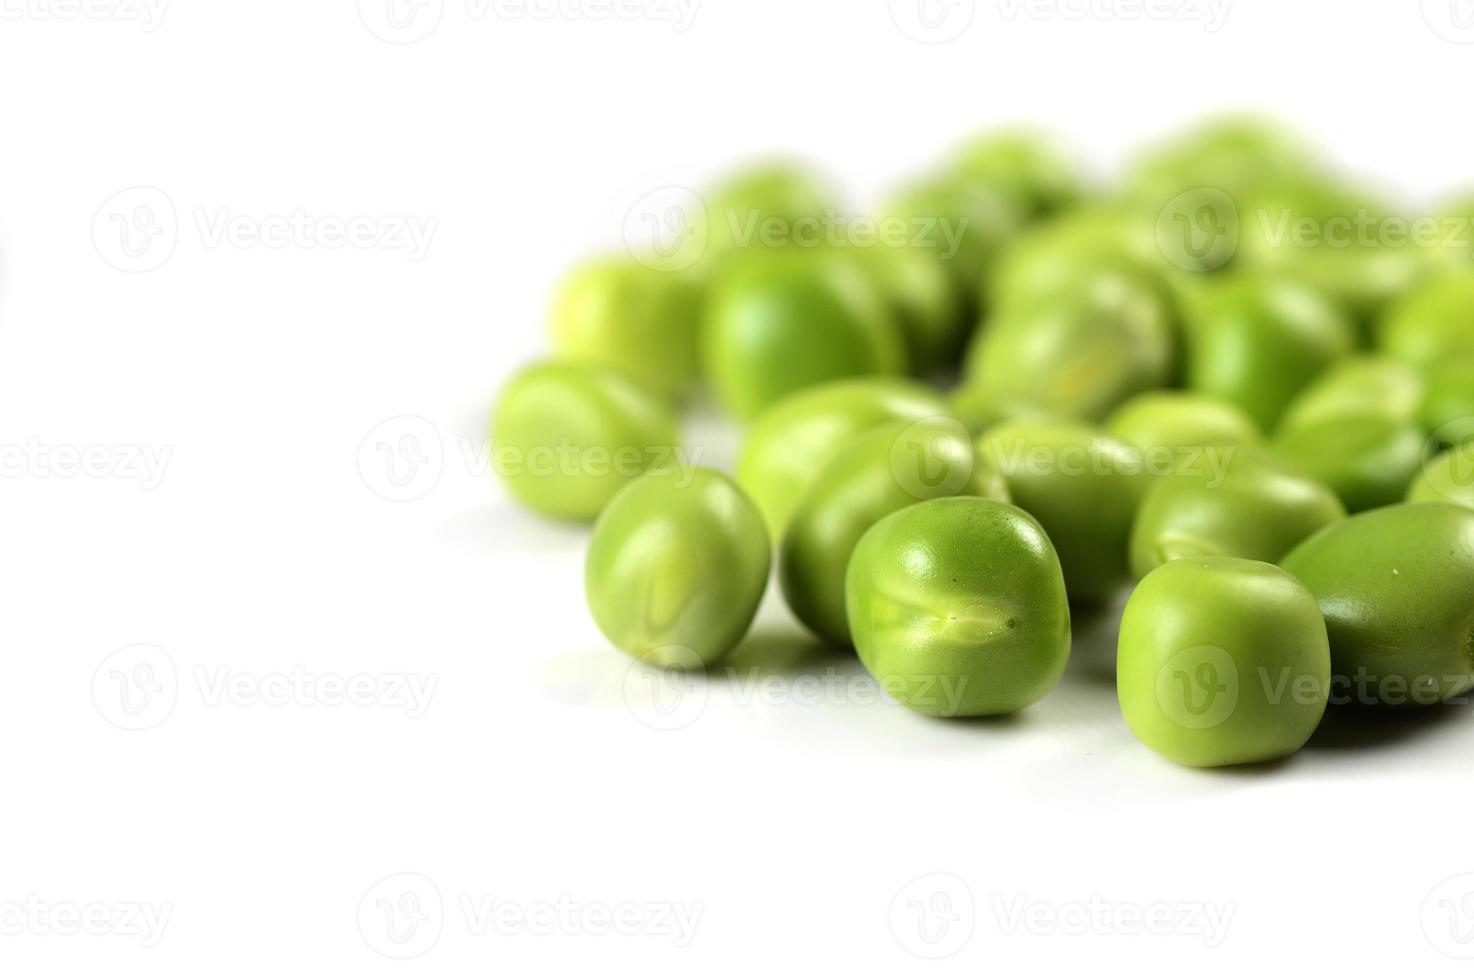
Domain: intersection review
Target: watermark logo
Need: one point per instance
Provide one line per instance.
(1212, 14)
(37, 460)
(401, 916)
(1198, 230)
(924, 462)
(1198, 688)
(933, 916)
(1449, 472)
(669, 697)
(1452, 20)
(401, 21)
(35, 916)
(136, 230)
(1448, 917)
(1100, 916)
(147, 14)
(136, 687)
(401, 459)
(933, 21)
(667, 229)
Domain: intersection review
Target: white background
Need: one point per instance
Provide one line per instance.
(793, 820)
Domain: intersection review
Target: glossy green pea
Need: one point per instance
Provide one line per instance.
(1077, 355)
(1447, 409)
(1446, 478)
(1180, 420)
(676, 567)
(1243, 504)
(921, 294)
(1222, 661)
(1357, 386)
(1433, 324)
(964, 225)
(875, 474)
(789, 443)
(1366, 460)
(771, 205)
(567, 435)
(1256, 341)
(1027, 169)
(640, 320)
(1396, 586)
(1082, 486)
(958, 607)
(781, 321)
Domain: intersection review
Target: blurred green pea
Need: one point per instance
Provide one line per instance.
(1367, 460)
(641, 320)
(1036, 176)
(1447, 409)
(1433, 324)
(1357, 386)
(783, 320)
(915, 283)
(1446, 478)
(965, 226)
(789, 443)
(1180, 420)
(567, 435)
(767, 205)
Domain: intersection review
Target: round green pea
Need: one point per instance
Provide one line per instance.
(1027, 169)
(771, 205)
(783, 320)
(640, 320)
(1433, 324)
(1240, 504)
(790, 441)
(567, 435)
(1357, 387)
(1222, 661)
(1396, 586)
(1079, 354)
(676, 567)
(1083, 487)
(1078, 247)
(1257, 340)
(1446, 478)
(1181, 420)
(875, 474)
(1367, 460)
(1240, 156)
(958, 607)
(1447, 409)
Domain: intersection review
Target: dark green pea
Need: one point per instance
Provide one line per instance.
(958, 607)
(676, 567)
(567, 435)
(790, 442)
(1244, 504)
(1366, 460)
(1396, 587)
(1083, 487)
(1256, 341)
(875, 474)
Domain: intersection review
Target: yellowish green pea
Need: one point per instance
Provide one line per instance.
(1396, 587)
(789, 443)
(1433, 324)
(1367, 460)
(567, 435)
(1222, 661)
(641, 320)
(768, 205)
(676, 568)
(875, 474)
(958, 607)
(1181, 420)
(1446, 478)
(1238, 502)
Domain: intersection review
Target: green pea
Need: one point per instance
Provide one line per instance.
(780, 321)
(1180, 420)
(1027, 169)
(567, 435)
(1367, 460)
(1396, 586)
(1244, 504)
(1447, 409)
(1256, 341)
(640, 320)
(921, 294)
(676, 567)
(1078, 355)
(790, 441)
(1446, 478)
(1079, 247)
(1357, 386)
(1433, 324)
(1083, 487)
(964, 225)
(767, 206)
(958, 607)
(1222, 661)
(1239, 156)
(875, 474)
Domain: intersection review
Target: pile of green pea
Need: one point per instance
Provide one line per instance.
(1035, 392)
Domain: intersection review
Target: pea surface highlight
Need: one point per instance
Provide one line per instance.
(1396, 586)
(567, 435)
(676, 568)
(1222, 661)
(957, 607)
